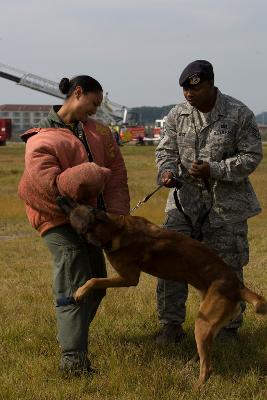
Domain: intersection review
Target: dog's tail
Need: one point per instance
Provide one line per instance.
(258, 301)
(66, 204)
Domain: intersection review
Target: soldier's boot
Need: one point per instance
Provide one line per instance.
(76, 364)
(170, 334)
(228, 334)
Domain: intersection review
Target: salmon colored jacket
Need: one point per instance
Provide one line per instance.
(56, 163)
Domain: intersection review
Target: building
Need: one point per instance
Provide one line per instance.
(23, 117)
(26, 116)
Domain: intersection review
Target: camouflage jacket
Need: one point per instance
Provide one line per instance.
(228, 138)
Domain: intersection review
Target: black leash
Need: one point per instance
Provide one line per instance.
(201, 219)
(81, 136)
(145, 199)
(178, 184)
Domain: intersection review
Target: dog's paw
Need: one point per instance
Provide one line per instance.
(84, 290)
(202, 379)
(197, 386)
(79, 295)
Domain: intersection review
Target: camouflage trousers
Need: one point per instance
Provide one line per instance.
(231, 244)
(75, 261)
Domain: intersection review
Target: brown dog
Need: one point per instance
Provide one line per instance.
(133, 244)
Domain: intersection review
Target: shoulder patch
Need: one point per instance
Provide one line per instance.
(111, 150)
(102, 129)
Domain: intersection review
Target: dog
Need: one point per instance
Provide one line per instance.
(133, 245)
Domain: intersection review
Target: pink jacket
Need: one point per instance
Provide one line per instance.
(56, 163)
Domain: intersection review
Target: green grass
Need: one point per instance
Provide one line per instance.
(122, 348)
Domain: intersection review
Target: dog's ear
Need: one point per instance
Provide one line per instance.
(101, 216)
(66, 204)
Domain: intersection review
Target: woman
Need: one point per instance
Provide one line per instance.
(75, 155)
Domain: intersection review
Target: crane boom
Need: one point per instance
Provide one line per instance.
(109, 112)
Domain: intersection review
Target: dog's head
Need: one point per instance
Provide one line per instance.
(66, 204)
(86, 220)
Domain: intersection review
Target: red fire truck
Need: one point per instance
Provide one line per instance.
(159, 125)
(132, 134)
(5, 130)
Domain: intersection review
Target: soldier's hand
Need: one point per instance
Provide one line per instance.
(168, 179)
(199, 169)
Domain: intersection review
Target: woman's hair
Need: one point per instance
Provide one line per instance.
(87, 83)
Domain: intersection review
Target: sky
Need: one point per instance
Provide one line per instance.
(136, 49)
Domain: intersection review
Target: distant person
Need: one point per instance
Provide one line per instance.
(116, 133)
(75, 155)
(211, 143)
(140, 140)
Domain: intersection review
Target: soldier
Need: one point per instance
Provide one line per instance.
(212, 144)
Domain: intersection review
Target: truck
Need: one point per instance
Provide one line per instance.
(132, 134)
(5, 130)
(158, 127)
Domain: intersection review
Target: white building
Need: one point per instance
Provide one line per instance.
(23, 116)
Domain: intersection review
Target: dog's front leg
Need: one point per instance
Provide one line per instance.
(104, 283)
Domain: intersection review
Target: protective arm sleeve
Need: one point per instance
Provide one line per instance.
(83, 181)
(43, 179)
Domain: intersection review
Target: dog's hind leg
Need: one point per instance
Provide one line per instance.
(103, 283)
(204, 337)
(214, 312)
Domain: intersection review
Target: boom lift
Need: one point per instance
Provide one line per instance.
(109, 112)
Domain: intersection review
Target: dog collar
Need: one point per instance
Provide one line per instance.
(107, 246)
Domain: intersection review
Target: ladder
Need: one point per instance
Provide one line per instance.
(109, 112)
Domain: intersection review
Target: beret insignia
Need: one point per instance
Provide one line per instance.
(194, 79)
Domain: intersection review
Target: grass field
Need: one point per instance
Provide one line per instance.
(122, 348)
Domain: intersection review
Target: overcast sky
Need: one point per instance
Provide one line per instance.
(137, 49)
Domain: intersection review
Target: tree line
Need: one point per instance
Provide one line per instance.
(147, 115)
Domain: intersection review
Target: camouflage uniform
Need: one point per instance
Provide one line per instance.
(228, 139)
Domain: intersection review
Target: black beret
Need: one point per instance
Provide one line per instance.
(196, 72)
